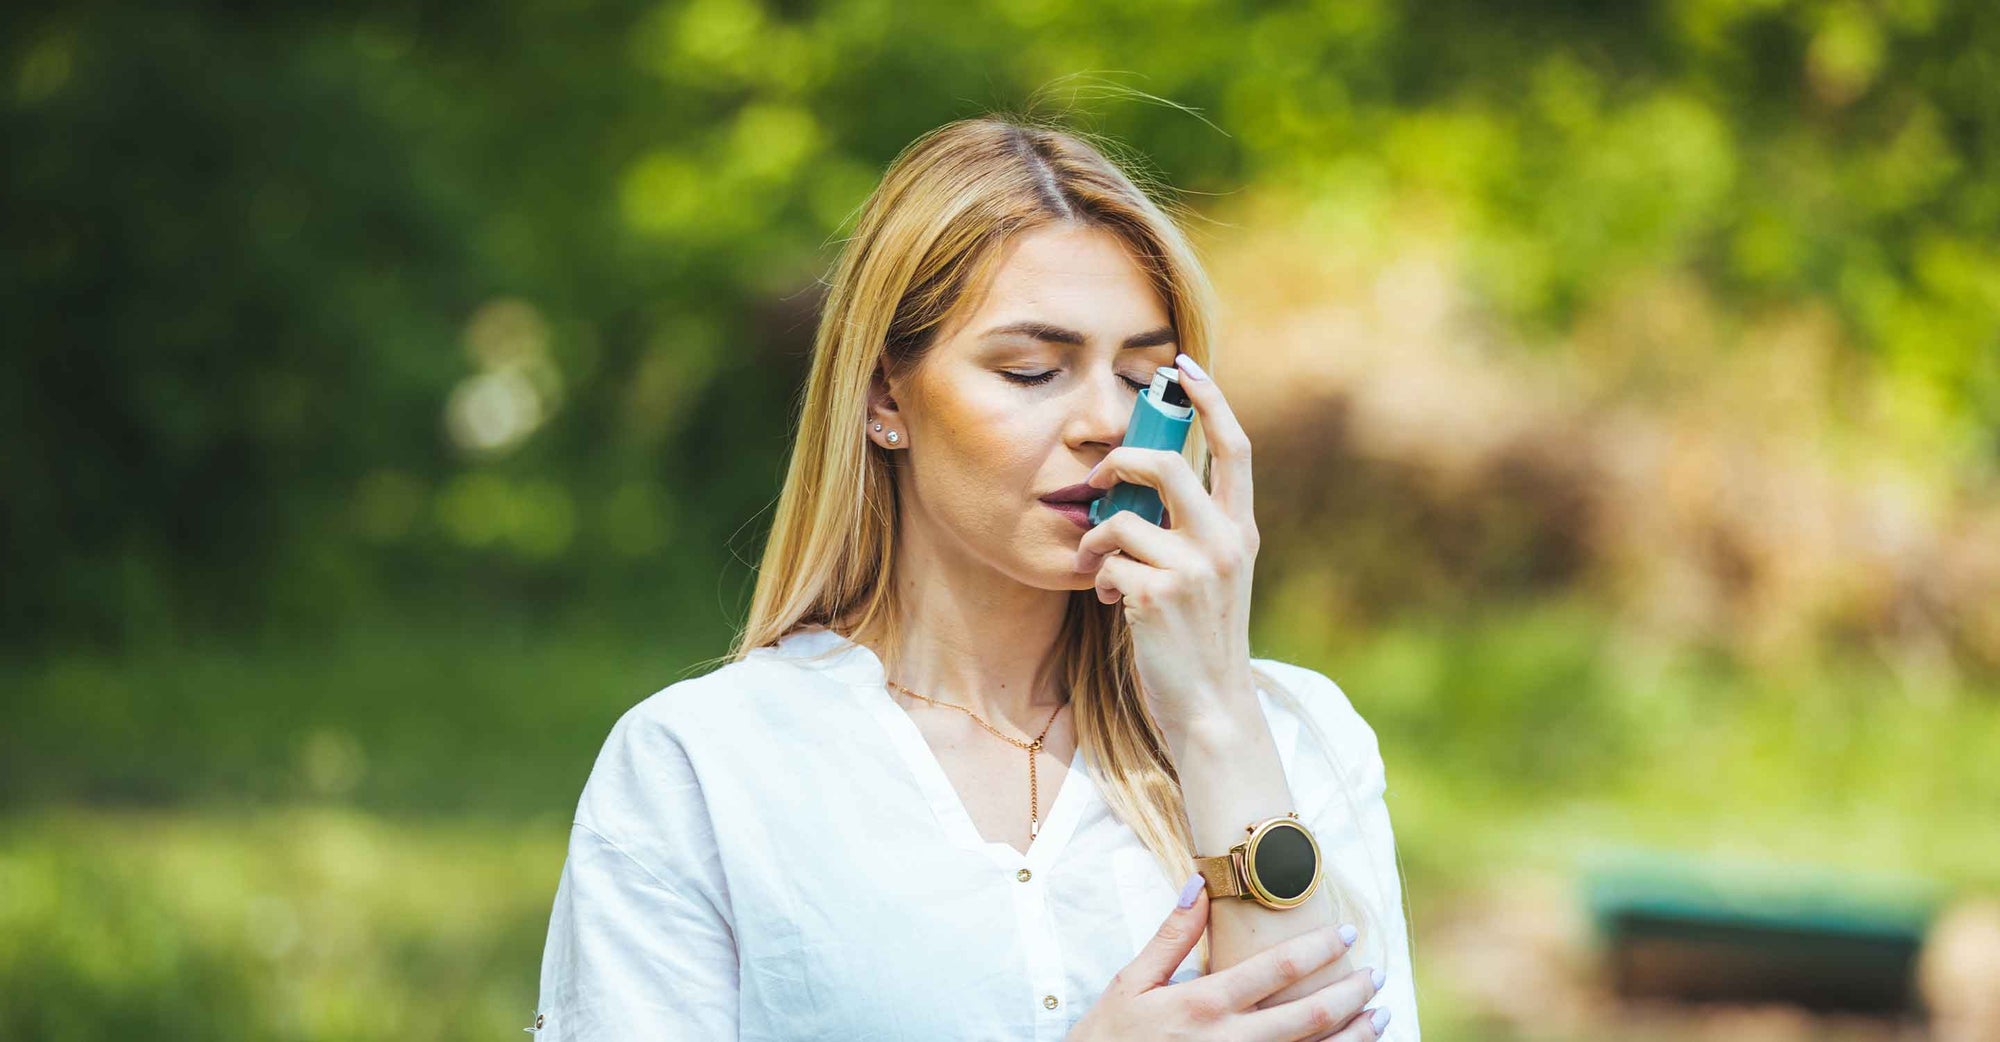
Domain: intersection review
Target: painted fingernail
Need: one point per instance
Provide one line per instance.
(1192, 888)
(1376, 977)
(1186, 365)
(1348, 933)
(1380, 1020)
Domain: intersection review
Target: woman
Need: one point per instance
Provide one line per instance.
(953, 776)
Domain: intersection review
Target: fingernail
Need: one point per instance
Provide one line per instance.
(1348, 933)
(1192, 887)
(1186, 365)
(1380, 1020)
(1376, 977)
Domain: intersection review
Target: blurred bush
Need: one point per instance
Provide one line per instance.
(314, 312)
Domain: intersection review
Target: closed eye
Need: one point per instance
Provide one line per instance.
(1031, 379)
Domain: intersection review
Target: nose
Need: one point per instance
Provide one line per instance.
(1105, 412)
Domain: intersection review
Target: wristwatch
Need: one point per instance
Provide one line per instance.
(1277, 866)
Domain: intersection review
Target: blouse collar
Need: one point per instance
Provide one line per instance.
(828, 650)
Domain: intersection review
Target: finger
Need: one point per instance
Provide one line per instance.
(1334, 1008)
(1120, 577)
(1271, 970)
(1130, 534)
(1168, 473)
(1230, 473)
(1367, 1026)
(1156, 962)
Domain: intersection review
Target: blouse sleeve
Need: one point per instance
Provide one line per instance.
(1349, 816)
(640, 945)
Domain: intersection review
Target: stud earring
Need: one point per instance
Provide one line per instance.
(878, 426)
(892, 437)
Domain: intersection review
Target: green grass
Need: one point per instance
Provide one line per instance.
(361, 837)
(467, 718)
(300, 924)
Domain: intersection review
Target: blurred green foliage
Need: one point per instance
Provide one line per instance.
(312, 311)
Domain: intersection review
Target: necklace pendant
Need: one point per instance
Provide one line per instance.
(1034, 826)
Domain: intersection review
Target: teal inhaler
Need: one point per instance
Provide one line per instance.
(1160, 420)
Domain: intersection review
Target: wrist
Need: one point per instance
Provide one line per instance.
(1230, 728)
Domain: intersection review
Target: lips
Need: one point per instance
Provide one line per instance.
(1078, 493)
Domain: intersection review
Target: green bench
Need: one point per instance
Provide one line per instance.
(1673, 927)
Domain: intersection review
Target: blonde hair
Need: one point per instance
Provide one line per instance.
(926, 241)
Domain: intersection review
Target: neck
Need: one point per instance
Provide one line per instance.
(974, 637)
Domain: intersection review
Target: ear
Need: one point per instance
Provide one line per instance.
(883, 411)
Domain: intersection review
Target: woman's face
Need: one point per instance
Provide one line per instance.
(1022, 398)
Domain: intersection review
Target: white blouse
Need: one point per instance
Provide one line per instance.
(772, 851)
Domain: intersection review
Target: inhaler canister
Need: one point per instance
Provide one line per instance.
(1160, 420)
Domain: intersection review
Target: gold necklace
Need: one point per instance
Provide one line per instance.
(1034, 793)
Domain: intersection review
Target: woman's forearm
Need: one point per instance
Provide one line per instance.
(1230, 777)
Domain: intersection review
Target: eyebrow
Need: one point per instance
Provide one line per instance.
(1059, 335)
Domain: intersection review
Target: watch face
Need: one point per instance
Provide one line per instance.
(1285, 861)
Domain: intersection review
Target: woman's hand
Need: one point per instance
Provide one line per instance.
(1186, 588)
(1224, 1005)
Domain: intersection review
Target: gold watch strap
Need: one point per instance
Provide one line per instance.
(1220, 877)
(1223, 875)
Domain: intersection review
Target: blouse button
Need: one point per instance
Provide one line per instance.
(1050, 1001)
(1023, 875)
